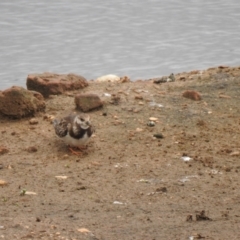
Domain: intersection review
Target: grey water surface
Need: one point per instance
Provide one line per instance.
(138, 38)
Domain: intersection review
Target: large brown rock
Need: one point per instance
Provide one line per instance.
(17, 102)
(50, 83)
(87, 101)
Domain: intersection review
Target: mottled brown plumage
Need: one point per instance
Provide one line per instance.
(74, 129)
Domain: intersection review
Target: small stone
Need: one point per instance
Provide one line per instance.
(235, 153)
(83, 230)
(33, 121)
(3, 150)
(161, 189)
(193, 95)
(31, 149)
(153, 119)
(87, 101)
(61, 177)
(151, 123)
(48, 117)
(158, 135)
(2, 183)
(138, 97)
(139, 129)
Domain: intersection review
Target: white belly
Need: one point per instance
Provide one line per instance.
(76, 142)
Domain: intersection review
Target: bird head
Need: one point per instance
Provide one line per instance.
(83, 121)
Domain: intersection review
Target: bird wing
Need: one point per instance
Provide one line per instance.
(61, 127)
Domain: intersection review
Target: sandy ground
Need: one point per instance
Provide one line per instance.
(129, 184)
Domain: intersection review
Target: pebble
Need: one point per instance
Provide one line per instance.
(33, 121)
(2, 183)
(236, 153)
(3, 150)
(151, 123)
(193, 95)
(48, 117)
(154, 119)
(117, 202)
(158, 135)
(138, 97)
(61, 177)
(32, 149)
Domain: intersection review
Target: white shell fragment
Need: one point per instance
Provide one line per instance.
(30, 193)
(61, 177)
(83, 230)
(186, 158)
(117, 202)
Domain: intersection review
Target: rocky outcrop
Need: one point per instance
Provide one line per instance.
(50, 83)
(87, 101)
(17, 102)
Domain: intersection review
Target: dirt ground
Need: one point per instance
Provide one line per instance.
(129, 184)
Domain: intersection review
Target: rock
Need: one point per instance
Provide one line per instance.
(158, 135)
(87, 101)
(48, 117)
(154, 119)
(108, 78)
(161, 189)
(33, 121)
(31, 149)
(17, 102)
(192, 95)
(51, 83)
(138, 97)
(3, 150)
(3, 183)
(235, 153)
(151, 123)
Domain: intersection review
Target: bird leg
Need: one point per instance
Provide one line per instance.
(78, 153)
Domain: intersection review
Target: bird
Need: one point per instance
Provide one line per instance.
(75, 130)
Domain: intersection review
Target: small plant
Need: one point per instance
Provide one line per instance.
(23, 192)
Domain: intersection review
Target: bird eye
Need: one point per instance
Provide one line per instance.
(82, 119)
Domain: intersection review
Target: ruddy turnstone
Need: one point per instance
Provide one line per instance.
(74, 129)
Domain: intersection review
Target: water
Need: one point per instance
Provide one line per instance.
(138, 38)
